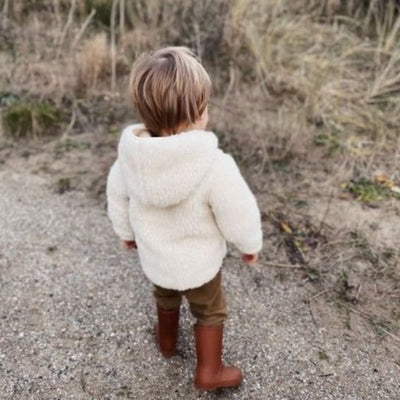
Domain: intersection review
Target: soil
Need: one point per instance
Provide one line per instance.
(77, 315)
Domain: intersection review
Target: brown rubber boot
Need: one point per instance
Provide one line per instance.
(211, 373)
(167, 331)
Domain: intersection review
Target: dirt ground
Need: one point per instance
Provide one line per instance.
(77, 316)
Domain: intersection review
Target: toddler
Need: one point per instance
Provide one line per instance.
(177, 198)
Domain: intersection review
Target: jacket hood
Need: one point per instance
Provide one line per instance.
(163, 171)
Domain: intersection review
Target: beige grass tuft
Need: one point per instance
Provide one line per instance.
(93, 61)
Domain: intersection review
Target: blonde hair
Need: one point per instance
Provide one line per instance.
(170, 89)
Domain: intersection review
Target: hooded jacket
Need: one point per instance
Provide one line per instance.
(180, 197)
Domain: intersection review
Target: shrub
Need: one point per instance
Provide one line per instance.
(24, 119)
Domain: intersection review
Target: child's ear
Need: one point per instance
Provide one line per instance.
(202, 122)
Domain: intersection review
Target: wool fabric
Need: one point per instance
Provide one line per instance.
(181, 198)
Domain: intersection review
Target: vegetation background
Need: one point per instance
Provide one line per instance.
(305, 96)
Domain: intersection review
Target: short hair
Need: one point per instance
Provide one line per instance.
(170, 89)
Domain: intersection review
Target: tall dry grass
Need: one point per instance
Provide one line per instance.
(289, 76)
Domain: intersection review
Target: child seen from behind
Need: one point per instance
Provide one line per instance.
(177, 198)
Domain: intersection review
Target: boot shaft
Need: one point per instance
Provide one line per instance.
(167, 330)
(211, 373)
(209, 341)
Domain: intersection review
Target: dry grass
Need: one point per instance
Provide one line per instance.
(94, 62)
(327, 76)
(306, 96)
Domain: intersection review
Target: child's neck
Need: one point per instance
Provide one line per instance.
(187, 128)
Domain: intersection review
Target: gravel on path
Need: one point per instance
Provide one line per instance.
(77, 318)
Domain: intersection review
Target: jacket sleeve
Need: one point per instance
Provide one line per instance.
(235, 207)
(118, 203)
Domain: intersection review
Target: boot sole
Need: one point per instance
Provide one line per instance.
(219, 386)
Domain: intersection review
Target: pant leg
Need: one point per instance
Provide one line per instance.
(167, 299)
(207, 303)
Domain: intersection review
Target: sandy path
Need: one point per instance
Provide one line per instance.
(76, 318)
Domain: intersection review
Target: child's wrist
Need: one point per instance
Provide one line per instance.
(130, 244)
(250, 258)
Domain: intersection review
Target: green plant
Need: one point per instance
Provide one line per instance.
(313, 274)
(8, 99)
(66, 145)
(63, 185)
(368, 191)
(24, 119)
(103, 10)
(322, 355)
(329, 140)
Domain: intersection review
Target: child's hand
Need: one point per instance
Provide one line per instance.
(130, 244)
(250, 259)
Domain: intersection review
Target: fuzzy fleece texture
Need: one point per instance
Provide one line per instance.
(181, 198)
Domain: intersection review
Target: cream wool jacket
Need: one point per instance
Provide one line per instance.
(181, 198)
